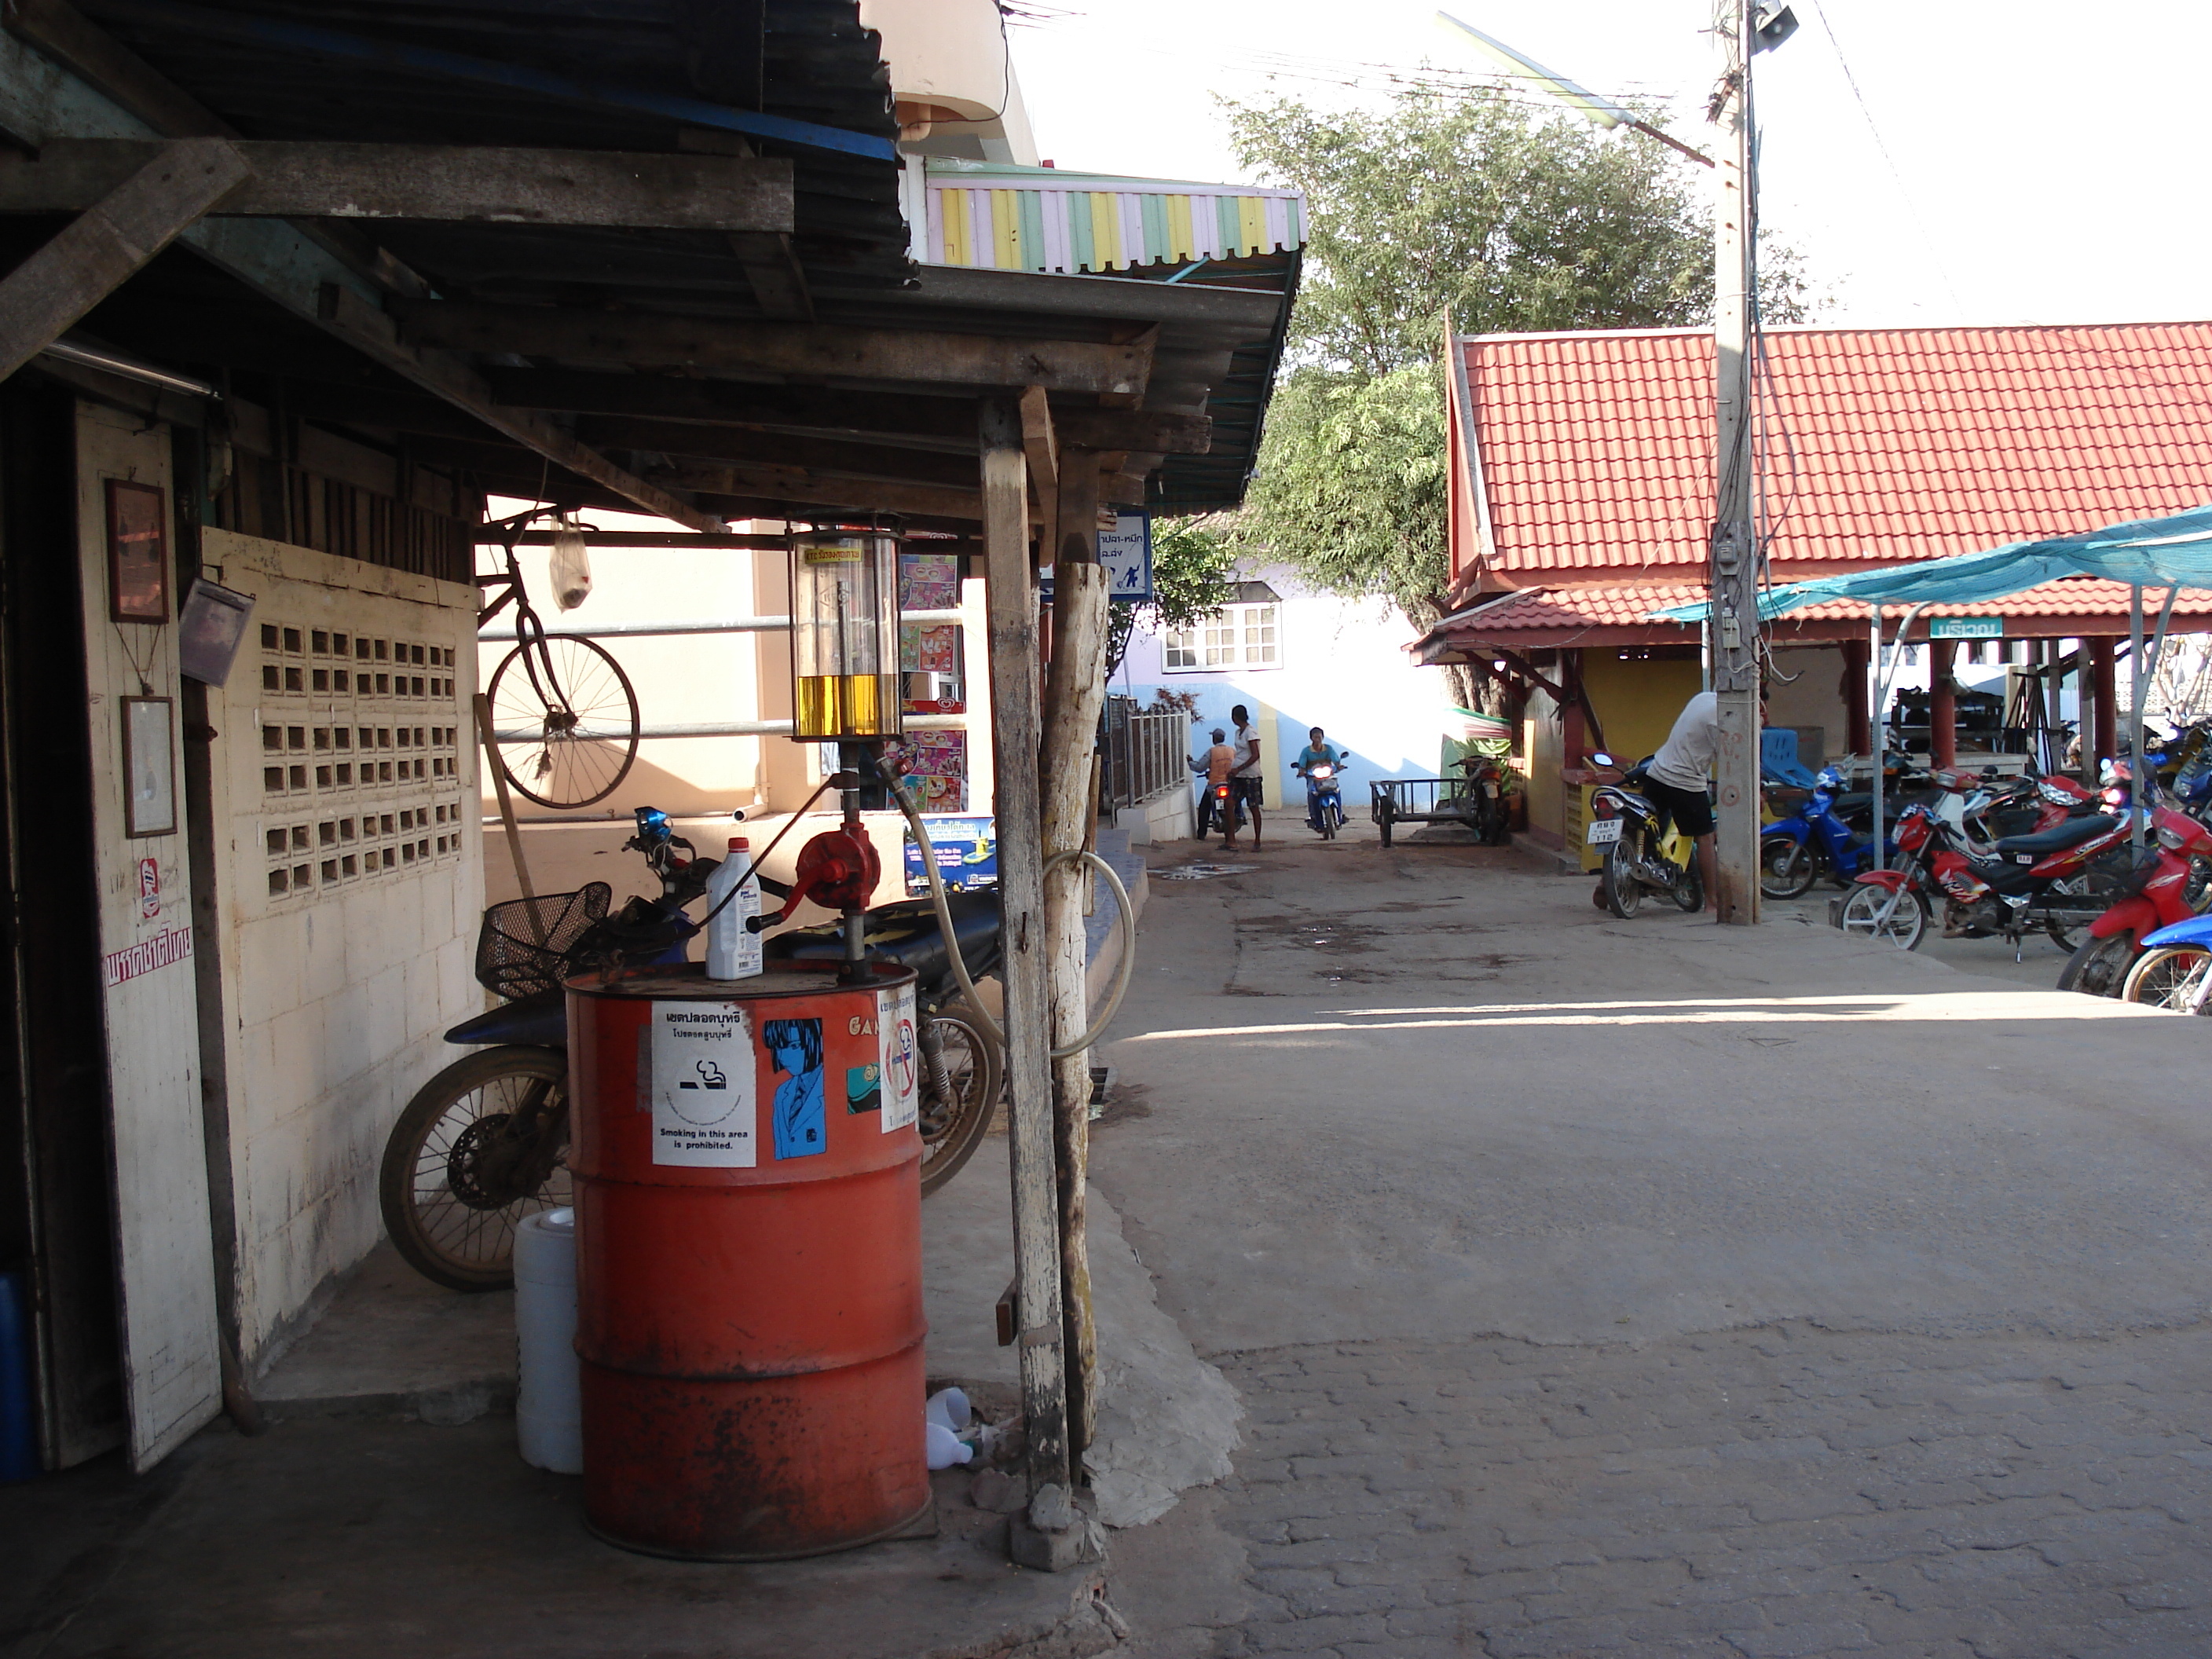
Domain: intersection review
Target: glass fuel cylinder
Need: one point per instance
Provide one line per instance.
(844, 635)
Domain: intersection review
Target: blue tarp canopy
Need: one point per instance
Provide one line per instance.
(2169, 552)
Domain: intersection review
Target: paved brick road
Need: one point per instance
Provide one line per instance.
(1781, 1491)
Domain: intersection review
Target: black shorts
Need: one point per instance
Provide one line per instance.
(1692, 810)
(1246, 790)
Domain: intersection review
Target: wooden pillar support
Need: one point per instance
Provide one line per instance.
(1074, 697)
(1942, 704)
(1856, 694)
(2106, 738)
(99, 249)
(1010, 595)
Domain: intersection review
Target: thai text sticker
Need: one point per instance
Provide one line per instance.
(901, 1056)
(703, 1086)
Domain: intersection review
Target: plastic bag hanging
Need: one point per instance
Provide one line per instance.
(570, 566)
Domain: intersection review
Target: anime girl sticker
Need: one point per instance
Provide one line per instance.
(795, 1046)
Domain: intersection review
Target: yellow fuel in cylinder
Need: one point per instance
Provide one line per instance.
(840, 705)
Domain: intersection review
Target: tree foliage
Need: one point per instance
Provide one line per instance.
(1463, 204)
(1469, 203)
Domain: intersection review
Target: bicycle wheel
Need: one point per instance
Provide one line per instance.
(953, 1124)
(566, 722)
(1623, 892)
(1867, 913)
(1785, 868)
(2168, 977)
(476, 1150)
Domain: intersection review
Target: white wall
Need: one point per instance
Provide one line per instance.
(346, 941)
(1344, 668)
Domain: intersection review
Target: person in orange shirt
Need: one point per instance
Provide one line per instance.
(1217, 763)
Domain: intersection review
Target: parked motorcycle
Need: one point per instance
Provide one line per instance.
(1484, 792)
(1811, 842)
(2041, 880)
(2164, 888)
(481, 1146)
(1645, 851)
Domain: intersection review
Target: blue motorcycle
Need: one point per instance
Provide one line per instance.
(2175, 969)
(1797, 851)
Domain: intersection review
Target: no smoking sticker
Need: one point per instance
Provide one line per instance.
(704, 1094)
(902, 1057)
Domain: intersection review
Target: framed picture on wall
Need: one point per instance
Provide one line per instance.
(137, 552)
(149, 767)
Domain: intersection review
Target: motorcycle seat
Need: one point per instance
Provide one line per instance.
(2072, 832)
(907, 933)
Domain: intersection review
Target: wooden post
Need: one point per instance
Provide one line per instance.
(1942, 704)
(2100, 668)
(506, 802)
(1857, 653)
(1024, 942)
(1074, 694)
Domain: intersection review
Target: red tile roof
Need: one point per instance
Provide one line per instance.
(1548, 616)
(1885, 445)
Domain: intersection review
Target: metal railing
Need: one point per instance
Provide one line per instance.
(1145, 754)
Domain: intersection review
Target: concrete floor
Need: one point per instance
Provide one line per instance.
(1426, 1126)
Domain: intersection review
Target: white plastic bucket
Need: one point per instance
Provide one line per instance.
(547, 1417)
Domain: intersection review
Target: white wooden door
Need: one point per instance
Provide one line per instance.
(165, 1259)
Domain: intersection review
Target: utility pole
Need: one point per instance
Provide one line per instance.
(1734, 617)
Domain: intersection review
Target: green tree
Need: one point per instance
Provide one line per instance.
(1192, 564)
(1464, 204)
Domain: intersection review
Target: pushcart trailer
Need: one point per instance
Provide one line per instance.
(1477, 802)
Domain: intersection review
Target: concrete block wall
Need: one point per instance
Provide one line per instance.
(351, 887)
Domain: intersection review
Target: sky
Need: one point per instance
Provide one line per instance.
(2036, 162)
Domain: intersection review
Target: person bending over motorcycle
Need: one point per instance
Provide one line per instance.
(1318, 751)
(1216, 763)
(1677, 780)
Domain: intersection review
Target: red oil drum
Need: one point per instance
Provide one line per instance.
(748, 1260)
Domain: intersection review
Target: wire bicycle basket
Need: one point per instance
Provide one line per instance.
(524, 946)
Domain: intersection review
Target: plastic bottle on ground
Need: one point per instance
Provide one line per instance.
(548, 1409)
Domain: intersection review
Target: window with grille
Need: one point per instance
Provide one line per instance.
(1237, 636)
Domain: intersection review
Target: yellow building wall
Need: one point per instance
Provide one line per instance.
(1636, 702)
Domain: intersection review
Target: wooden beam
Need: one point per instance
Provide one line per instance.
(300, 270)
(882, 415)
(1011, 612)
(779, 281)
(352, 318)
(729, 443)
(98, 250)
(705, 344)
(99, 59)
(439, 182)
(1042, 452)
(799, 484)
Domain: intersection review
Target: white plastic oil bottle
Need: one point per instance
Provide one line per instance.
(733, 949)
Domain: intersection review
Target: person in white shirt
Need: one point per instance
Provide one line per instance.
(1248, 778)
(1677, 780)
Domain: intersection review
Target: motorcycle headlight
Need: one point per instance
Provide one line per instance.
(2168, 840)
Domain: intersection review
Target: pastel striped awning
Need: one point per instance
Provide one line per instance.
(1018, 218)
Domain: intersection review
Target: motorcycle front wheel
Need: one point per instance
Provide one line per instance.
(1785, 868)
(478, 1151)
(954, 1120)
(1904, 925)
(2168, 977)
(1624, 893)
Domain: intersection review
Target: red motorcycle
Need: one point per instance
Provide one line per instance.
(2038, 880)
(2161, 891)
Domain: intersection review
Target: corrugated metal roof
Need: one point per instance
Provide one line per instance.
(1883, 444)
(1019, 218)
